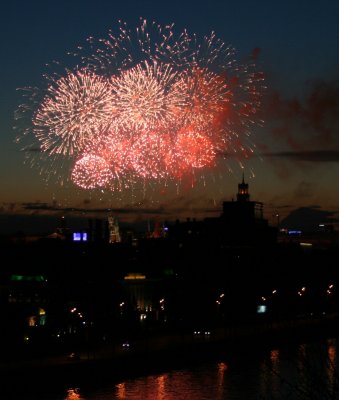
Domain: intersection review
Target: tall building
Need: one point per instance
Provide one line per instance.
(114, 232)
(241, 223)
(243, 194)
(243, 211)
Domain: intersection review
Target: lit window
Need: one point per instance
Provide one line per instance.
(261, 309)
(76, 237)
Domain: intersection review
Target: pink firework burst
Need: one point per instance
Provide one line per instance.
(192, 150)
(91, 172)
(145, 96)
(206, 94)
(75, 108)
(147, 153)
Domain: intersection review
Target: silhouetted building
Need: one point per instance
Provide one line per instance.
(241, 223)
(242, 211)
(98, 230)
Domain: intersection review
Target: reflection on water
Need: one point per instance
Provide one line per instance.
(73, 394)
(269, 374)
(205, 382)
(332, 363)
(120, 391)
(307, 371)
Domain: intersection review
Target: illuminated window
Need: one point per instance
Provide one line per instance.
(76, 237)
(80, 237)
(32, 321)
(261, 309)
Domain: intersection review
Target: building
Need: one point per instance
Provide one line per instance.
(241, 223)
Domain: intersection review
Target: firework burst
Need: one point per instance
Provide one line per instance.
(91, 172)
(146, 104)
(75, 108)
(145, 96)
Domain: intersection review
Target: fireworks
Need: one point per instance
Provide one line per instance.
(148, 105)
(91, 171)
(144, 97)
(75, 108)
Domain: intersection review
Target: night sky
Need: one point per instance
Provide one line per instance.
(296, 160)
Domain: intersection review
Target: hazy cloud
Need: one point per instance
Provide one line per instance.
(38, 206)
(311, 156)
(311, 122)
(180, 207)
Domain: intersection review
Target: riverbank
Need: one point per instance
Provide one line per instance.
(157, 354)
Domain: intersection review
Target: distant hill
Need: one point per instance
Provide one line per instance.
(307, 219)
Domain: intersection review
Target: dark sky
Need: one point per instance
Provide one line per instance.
(296, 150)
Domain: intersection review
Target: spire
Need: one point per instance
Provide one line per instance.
(243, 194)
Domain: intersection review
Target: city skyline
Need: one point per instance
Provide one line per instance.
(296, 152)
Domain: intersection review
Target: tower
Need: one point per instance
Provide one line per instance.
(114, 233)
(243, 210)
(243, 194)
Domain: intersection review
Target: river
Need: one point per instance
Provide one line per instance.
(292, 371)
